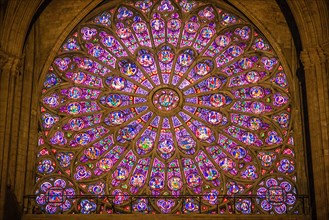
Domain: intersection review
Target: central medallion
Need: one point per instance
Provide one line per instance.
(165, 99)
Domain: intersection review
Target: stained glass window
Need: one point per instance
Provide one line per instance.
(166, 98)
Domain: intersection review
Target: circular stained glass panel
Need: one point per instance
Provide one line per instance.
(162, 98)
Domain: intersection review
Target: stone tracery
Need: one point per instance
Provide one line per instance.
(146, 97)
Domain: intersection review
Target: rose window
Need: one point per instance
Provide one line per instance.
(166, 98)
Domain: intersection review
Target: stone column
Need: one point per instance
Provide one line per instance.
(315, 62)
(9, 70)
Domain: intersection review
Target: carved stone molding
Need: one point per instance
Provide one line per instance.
(10, 64)
(325, 48)
(3, 58)
(313, 56)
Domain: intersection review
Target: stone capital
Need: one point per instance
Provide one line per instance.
(312, 56)
(10, 64)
